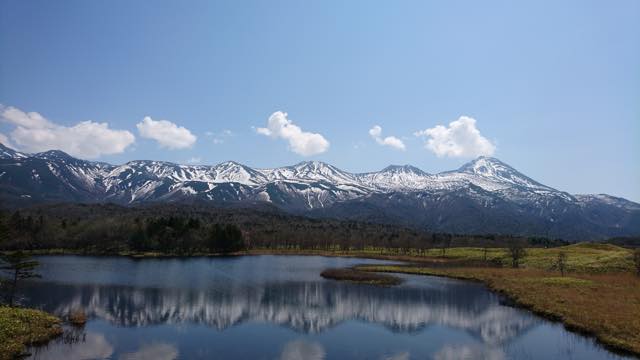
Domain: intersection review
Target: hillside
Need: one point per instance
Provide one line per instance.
(483, 196)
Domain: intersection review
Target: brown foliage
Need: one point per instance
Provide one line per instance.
(77, 317)
(360, 277)
(605, 306)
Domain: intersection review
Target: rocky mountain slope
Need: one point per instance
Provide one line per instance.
(483, 196)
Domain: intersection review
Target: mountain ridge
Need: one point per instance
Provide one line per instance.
(483, 195)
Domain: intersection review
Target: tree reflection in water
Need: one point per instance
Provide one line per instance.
(280, 308)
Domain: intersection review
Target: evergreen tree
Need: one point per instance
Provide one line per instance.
(18, 266)
(4, 231)
(225, 239)
(234, 240)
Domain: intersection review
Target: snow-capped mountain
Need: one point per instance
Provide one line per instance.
(8, 153)
(483, 196)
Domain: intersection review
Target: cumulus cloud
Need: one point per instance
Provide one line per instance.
(4, 140)
(166, 133)
(87, 139)
(300, 142)
(460, 139)
(394, 142)
(194, 160)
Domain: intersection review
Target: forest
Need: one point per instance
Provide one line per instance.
(187, 229)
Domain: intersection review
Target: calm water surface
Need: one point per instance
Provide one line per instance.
(278, 307)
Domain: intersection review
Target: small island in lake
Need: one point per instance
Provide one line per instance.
(361, 277)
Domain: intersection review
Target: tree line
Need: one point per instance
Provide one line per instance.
(183, 229)
(187, 230)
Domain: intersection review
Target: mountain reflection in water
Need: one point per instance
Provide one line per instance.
(277, 307)
(302, 306)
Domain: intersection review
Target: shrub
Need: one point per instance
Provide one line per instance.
(516, 252)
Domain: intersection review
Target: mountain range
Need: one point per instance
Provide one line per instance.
(483, 196)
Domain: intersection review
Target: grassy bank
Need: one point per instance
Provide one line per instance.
(592, 258)
(599, 294)
(22, 327)
(606, 306)
(589, 258)
(361, 277)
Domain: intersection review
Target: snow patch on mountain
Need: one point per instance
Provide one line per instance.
(303, 186)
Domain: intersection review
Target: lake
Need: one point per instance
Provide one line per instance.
(278, 307)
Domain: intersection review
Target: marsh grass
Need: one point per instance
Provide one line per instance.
(361, 277)
(591, 258)
(22, 327)
(606, 306)
(583, 257)
(77, 317)
(599, 294)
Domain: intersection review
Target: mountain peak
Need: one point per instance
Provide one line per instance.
(54, 154)
(315, 166)
(484, 165)
(311, 164)
(495, 170)
(311, 171)
(230, 163)
(403, 169)
(235, 167)
(488, 166)
(8, 153)
(401, 191)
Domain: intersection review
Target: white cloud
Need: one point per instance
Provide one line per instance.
(166, 133)
(300, 142)
(4, 140)
(460, 139)
(194, 160)
(394, 142)
(87, 139)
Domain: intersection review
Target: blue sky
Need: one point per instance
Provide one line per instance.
(554, 87)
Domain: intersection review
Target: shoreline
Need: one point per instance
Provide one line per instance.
(24, 327)
(516, 299)
(255, 252)
(355, 276)
(543, 292)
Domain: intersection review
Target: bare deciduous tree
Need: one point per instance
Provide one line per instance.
(561, 262)
(636, 260)
(516, 251)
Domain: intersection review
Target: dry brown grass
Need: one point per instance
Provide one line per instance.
(362, 277)
(606, 306)
(77, 317)
(598, 296)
